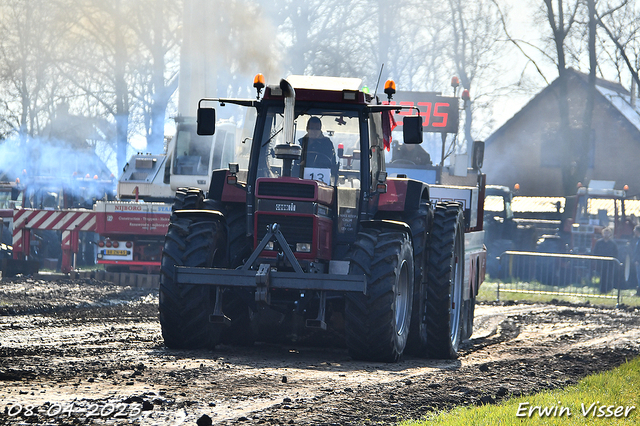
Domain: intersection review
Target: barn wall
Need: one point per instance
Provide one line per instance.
(527, 149)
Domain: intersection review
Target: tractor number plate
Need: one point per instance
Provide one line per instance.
(314, 173)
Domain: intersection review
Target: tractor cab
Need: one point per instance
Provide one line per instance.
(596, 207)
(306, 159)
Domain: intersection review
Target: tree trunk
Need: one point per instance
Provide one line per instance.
(585, 143)
(155, 140)
(565, 144)
(122, 94)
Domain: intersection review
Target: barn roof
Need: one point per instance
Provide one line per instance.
(614, 94)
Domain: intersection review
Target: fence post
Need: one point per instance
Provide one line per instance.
(499, 277)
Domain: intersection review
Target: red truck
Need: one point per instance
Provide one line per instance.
(131, 234)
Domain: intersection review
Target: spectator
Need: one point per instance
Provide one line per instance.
(605, 246)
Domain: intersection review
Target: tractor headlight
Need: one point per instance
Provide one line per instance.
(269, 246)
(303, 248)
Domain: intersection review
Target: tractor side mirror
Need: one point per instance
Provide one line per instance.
(477, 155)
(206, 121)
(412, 129)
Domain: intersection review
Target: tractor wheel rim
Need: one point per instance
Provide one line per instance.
(402, 298)
(456, 290)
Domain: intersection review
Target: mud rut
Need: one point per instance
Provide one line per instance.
(97, 348)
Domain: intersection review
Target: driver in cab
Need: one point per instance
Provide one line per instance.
(317, 149)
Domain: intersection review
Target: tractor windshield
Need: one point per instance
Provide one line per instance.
(330, 142)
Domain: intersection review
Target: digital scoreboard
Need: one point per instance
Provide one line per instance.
(440, 113)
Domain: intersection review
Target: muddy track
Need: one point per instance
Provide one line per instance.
(87, 352)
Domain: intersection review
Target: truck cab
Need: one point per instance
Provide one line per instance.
(192, 157)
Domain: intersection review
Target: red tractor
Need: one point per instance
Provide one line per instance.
(315, 236)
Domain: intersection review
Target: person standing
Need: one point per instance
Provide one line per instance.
(606, 247)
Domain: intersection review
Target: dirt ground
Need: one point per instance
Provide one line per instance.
(89, 352)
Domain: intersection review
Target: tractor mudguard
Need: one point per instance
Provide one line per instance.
(205, 214)
(385, 223)
(220, 190)
(403, 194)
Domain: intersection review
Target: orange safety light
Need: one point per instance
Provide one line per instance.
(258, 81)
(95, 177)
(465, 95)
(455, 82)
(390, 88)
(516, 187)
(17, 181)
(626, 187)
(88, 176)
(579, 185)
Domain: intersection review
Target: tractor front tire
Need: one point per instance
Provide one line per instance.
(185, 309)
(445, 277)
(377, 324)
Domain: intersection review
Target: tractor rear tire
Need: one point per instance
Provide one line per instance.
(377, 324)
(235, 218)
(239, 248)
(445, 278)
(419, 222)
(185, 309)
(468, 313)
(188, 199)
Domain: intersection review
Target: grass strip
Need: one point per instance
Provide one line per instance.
(608, 398)
(488, 293)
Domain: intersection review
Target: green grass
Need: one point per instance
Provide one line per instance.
(488, 293)
(616, 388)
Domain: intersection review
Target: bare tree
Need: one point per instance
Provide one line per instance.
(123, 59)
(622, 28)
(97, 62)
(561, 26)
(29, 35)
(156, 25)
(476, 35)
(328, 37)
